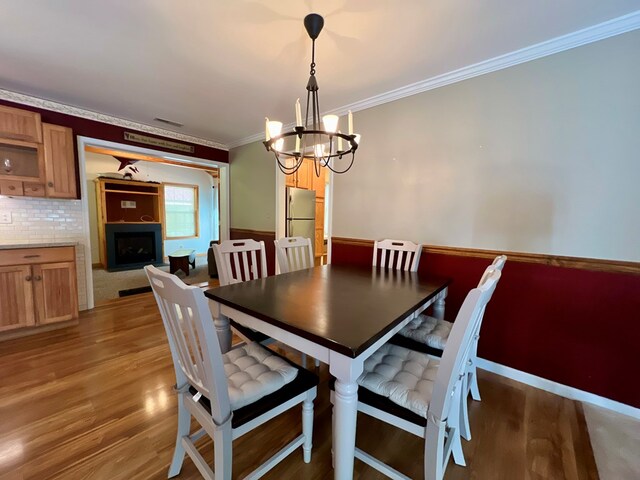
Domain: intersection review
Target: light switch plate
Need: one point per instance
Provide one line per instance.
(5, 217)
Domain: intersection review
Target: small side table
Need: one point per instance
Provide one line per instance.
(181, 259)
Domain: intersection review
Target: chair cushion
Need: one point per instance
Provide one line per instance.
(253, 372)
(428, 330)
(403, 376)
(304, 380)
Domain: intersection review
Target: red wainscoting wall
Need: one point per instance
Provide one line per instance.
(266, 237)
(113, 133)
(574, 326)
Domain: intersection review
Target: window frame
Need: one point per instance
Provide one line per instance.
(196, 210)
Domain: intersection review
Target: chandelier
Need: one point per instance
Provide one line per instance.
(321, 142)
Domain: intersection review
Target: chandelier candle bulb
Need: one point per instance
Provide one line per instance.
(330, 123)
(339, 142)
(274, 128)
(297, 150)
(350, 123)
(298, 114)
(266, 129)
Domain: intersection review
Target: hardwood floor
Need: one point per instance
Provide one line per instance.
(95, 401)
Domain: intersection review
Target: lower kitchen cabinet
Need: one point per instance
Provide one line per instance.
(16, 300)
(38, 287)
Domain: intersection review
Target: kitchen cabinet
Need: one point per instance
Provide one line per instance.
(303, 177)
(319, 183)
(21, 161)
(54, 288)
(304, 173)
(20, 124)
(60, 162)
(38, 287)
(16, 301)
(42, 161)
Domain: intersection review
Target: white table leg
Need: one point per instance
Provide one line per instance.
(223, 328)
(346, 410)
(438, 307)
(346, 371)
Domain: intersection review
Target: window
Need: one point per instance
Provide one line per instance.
(180, 210)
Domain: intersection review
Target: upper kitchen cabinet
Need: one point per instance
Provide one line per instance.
(60, 162)
(19, 124)
(303, 177)
(21, 161)
(36, 159)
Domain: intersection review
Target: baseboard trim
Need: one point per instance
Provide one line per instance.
(558, 388)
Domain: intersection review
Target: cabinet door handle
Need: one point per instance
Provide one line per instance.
(37, 278)
(31, 256)
(11, 187)
(50, 184)
(27, 278)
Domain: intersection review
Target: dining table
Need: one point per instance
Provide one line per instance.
(338, 314)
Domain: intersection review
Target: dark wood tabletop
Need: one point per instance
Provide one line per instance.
(343, 308)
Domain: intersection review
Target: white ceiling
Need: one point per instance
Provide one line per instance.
(221, 66)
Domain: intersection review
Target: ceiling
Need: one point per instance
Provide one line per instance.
(220, 66)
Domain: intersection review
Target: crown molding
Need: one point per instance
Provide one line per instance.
(101, 117)
(601, 31)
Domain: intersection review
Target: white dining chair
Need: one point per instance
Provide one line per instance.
(227, 394)
(420, 394)
(240, 261)
(397, 255)
(429, 335)
(293, 253)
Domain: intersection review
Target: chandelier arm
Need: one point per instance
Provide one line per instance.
(288, 170)
(353, 156)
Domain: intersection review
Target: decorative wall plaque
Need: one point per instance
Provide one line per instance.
(158, 142)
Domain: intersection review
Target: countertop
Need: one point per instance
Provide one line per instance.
(38, 245)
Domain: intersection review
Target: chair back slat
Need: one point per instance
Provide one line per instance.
(195, 349)
(397, 254)
(240, 260)
(456, 353)
(294, 253)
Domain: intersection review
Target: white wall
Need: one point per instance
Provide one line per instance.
(40, 220)
(541, 157)
(97, 164)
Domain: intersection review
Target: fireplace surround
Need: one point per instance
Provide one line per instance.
(131, 246)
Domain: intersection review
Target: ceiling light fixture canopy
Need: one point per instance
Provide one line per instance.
(322, 142)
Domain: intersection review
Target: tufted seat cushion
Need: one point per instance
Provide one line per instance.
(253, 372)
(403, 376)
(428, 330)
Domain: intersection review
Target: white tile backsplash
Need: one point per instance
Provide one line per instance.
(45, 220)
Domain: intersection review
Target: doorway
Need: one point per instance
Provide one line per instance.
(197, 184)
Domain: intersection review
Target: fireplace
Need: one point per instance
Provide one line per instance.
(131, 246)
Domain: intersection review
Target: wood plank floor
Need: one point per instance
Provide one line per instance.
(95, 402)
